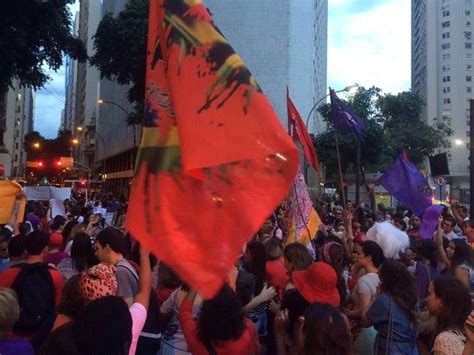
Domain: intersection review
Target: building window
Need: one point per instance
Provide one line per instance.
(446, 67)
(16, 157)
(18, 109)
(468, 55)
(468, 78)
(468, 45)
(18, 97)
(467, 12)
(445, 35)
(16, 145)
(468, 23)
(468, 89)
(447, 90)
(468, 133)
(446, 100)
(445, 24)
(445, 13)
(445, 46)
(446, 79)
(467, 35)
(446, 56)
(469, 67)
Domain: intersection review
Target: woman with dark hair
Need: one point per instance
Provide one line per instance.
(457, 258)
(393, 312)
(324, 332)
(333, 254)
(276, 272)
(82, 257)
(255, 260)
(369, 257)
(449, 301)
(220, 328)
(427, 267)
(297, 257)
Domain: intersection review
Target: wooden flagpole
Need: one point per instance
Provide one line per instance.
(341, 180)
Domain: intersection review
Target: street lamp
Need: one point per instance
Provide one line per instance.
(102, 101)
(36, 145)
(80, 128)
(458, 142)
(346, 89)
(75, 141)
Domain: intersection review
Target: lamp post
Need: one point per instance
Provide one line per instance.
(102, 101)
(315, 106)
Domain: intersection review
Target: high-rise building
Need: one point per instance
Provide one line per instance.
(116, 141)
(84, 123)
(19, 122)
(284, 44)
(71, 86)
(442, 73)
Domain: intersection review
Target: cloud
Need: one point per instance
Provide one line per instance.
(50, 100)
(49, 104)
(370, 47)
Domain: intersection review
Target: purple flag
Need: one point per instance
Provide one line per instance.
(343, 117)
(403, 180)
(430, 221)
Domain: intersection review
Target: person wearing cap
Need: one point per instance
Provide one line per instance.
(318, 283)
(55, 254)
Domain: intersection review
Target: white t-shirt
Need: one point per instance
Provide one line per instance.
(368, 284)
(138, 313)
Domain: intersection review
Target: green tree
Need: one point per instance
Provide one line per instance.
(393, 124)
(33, 33)
(406, 130)
(117, 36)
(372, 140)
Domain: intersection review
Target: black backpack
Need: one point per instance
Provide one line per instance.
(35, 289)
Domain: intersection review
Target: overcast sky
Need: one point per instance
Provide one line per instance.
(368, 43)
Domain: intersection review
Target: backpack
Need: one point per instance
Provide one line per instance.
(35, 289)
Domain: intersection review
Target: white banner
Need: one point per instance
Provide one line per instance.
(46, 193)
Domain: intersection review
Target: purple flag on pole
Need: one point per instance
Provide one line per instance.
(403, 180)
(430, 221)
(343, 117)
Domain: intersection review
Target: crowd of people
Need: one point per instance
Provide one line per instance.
(366, 284)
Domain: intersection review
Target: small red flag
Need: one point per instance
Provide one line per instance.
(299, 131)
(214, 161)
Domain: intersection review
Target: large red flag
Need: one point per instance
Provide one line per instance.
(214, 161)
(299, 131)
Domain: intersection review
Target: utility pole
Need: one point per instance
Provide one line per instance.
(471, 158)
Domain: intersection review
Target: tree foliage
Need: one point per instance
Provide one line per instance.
(393, 124)
(120, 45)
(34, 33)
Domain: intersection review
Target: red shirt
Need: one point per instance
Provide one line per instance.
(246, 344)
(276, 275)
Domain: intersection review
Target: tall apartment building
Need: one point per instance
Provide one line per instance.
(90, 15)
(284, 44)
(442, 73)
(116, 141)
(19, 122)
(71, 86)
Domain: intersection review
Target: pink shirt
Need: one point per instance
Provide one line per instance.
(138, 313)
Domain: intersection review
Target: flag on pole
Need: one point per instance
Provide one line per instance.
(429, 221)
(343, 117)
(214, 161)
(299, 131)
(305, 221)
(403, 180)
